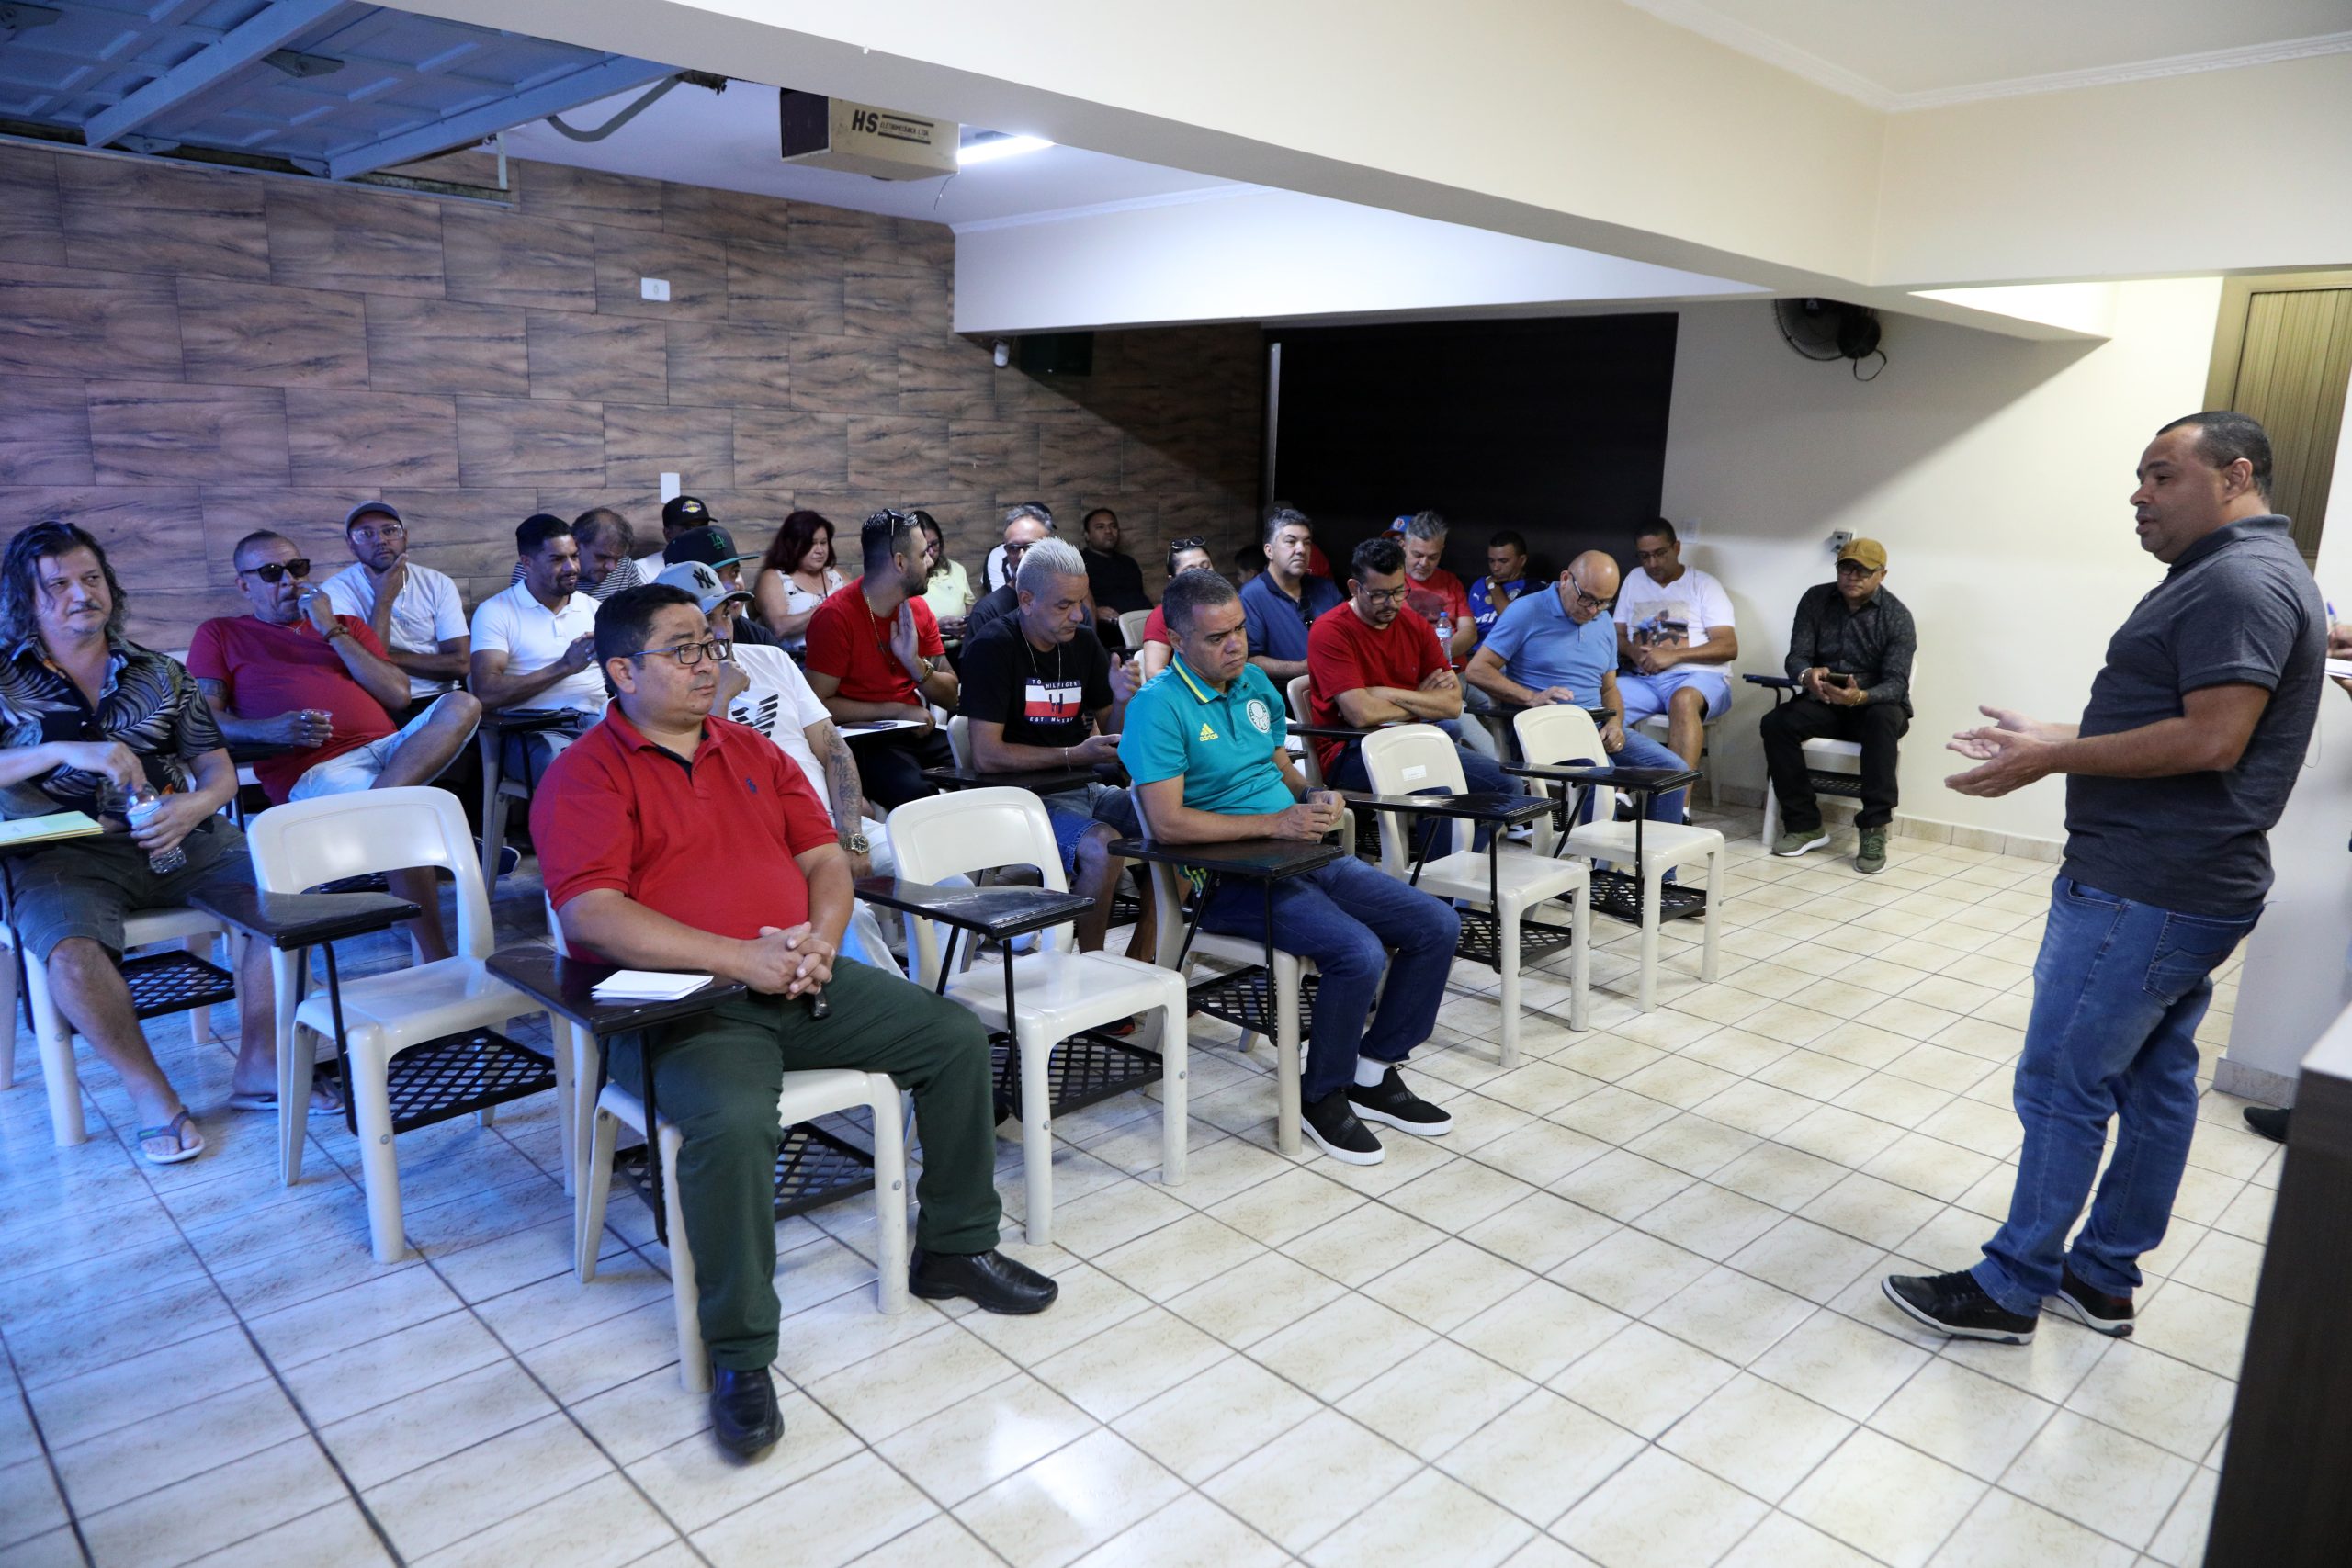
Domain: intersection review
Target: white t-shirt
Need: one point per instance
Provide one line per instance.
(1678, 613)
(534, 636)
(427, 614)
(780, 706)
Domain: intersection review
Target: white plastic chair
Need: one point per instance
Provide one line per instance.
(1822, 754)
(959, 742)
(1131, 626)
(1310, 766)
(1562, 733)
(306, 842)
(53, 1037)
(804, 1097)
(1057, 991)
(1511, 884)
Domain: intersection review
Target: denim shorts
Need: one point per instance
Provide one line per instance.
(1073, 811)
(86, 887)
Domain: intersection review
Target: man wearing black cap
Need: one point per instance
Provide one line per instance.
(414, 611)
(680, 514)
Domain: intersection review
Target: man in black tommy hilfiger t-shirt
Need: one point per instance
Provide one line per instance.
(1040, 691)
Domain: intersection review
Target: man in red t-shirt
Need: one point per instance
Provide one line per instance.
(295, 673)
(874, 656)
(1368, 663)
(671, 839)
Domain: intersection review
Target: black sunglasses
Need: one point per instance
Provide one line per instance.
(278, 571)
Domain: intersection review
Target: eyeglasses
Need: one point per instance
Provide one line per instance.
(278, 571)
(1386, 595)
(689, 654)
(1190, 542)
(1587, 601)
(1854, 569)
(384, 530)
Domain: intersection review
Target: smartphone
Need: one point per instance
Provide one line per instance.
(1840, 678)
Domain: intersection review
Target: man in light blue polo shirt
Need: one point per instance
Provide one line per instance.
(1561, 647)
(1203, 745)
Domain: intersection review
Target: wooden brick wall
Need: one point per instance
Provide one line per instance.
(187, 354)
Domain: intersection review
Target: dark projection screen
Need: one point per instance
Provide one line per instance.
(1556, 428)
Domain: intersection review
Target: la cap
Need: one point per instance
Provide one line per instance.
(685, 512)
(713, 547)
(1867, 553)
(698, 579)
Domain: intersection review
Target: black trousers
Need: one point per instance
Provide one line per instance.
(1878, 726)
(890, 764)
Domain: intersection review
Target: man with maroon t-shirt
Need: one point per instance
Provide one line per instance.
(1367, 663)
(874, 653)
(295, 673)
(672, 839)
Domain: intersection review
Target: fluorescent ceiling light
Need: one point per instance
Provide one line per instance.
(992, 148)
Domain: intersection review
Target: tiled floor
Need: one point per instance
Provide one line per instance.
(1628, 1313)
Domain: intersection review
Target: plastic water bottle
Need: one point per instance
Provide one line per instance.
(144, 803)
(1445, 633)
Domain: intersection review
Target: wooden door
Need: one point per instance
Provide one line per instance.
(2283, 355)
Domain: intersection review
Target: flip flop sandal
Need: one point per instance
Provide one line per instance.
(179, 1129)
(320, 1085)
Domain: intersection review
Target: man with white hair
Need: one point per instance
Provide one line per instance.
(1040, 691)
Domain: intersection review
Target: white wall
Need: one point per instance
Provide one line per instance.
(2296, 979)
(1246, 254)
(1997, 473)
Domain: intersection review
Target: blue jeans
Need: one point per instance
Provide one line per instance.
(2118, 989)
(1480, 774)
(1346, 917)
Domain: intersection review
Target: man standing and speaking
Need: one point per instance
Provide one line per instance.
(2180, 766)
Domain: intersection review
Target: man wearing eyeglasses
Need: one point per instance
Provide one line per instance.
(1849, 654)
(295, 673)
(1561, 647)
(672, 839)
(1368, 663)
(1023, 528)
(415, 611)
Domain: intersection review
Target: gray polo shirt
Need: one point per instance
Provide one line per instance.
(2239, 607)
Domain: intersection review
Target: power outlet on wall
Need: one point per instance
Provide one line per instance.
(654, 289)
(1840, 538)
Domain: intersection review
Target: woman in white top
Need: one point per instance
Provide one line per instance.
(795, 576)
(949, 591)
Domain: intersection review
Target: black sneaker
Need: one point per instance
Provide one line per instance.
(1391, 1104)
(1956, 1304)
(2095, 1309)
(1331, 1122)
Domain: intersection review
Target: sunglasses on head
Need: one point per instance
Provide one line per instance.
(278, 571)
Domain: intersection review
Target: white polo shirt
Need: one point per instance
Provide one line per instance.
(534, 636)
(427, 613)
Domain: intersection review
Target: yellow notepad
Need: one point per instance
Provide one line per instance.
(46, 830)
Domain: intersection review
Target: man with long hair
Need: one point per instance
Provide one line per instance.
(87, 716)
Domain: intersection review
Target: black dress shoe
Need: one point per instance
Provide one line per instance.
(744, 1414)
(993, 1281)
(1956, 1304)
(2268, 1121)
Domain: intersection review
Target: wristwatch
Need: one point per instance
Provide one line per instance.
(855, 844)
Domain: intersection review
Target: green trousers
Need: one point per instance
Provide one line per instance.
(717, 1077)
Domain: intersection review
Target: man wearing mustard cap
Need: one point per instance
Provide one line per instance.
(1850, 657)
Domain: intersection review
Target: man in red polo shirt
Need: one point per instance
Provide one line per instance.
(672, 839)
(1368, 663)
(295, 673)
(874, 654)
